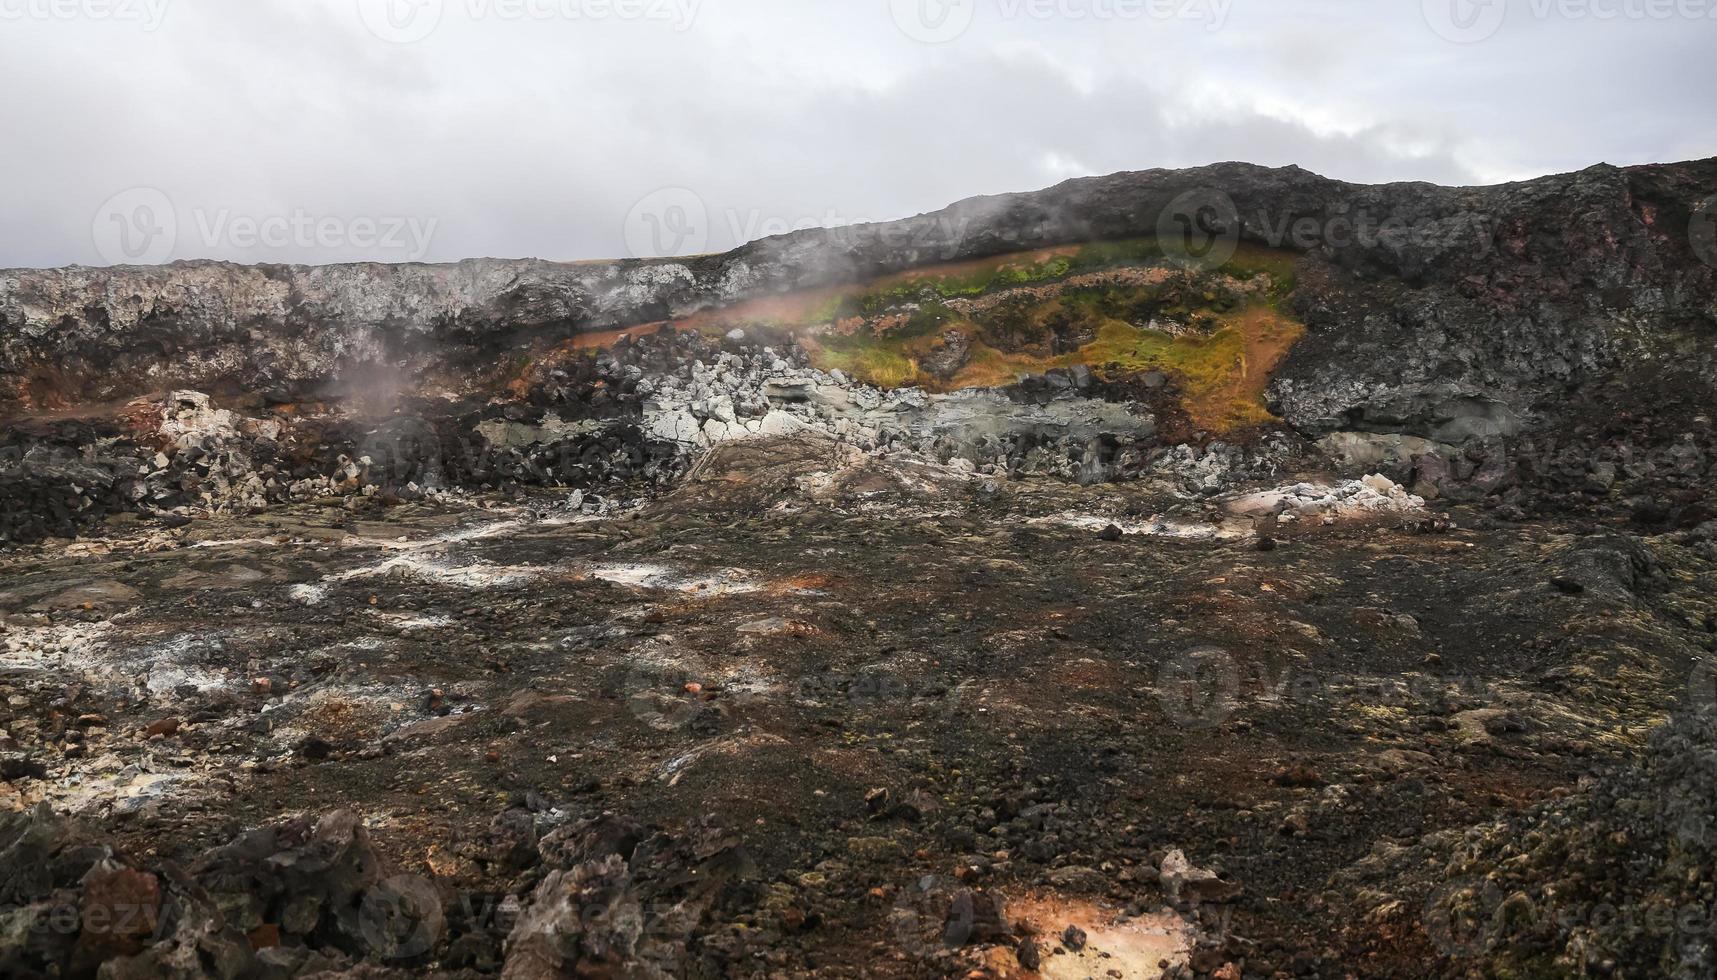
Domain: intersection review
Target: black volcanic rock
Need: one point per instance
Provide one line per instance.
(1443, 312)
(1550, 345)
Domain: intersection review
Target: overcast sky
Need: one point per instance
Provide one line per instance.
(335, 130)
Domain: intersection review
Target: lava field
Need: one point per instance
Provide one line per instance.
(1043, 605)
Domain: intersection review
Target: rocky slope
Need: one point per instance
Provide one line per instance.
(820, 712)
(1452, 336)
(1226, 573)
(1438, 312)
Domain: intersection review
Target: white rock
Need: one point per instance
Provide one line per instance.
(673, 425)
(1380, 483)
(779, 423)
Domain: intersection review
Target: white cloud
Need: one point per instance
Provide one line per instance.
(532, 126)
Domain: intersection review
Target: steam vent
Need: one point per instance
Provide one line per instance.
(1224, 573)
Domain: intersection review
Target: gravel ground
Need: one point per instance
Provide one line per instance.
(818, 713)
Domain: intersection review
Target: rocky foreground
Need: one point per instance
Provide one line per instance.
(1007, 592)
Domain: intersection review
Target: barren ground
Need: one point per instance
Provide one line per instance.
(1049, 714)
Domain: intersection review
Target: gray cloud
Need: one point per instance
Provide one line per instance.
(288, 130)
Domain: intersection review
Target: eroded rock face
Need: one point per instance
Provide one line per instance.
(634, 420)
(1067, 430)
(105, 332)
(1442, 312)
(1546, 346)
(1514, 294)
